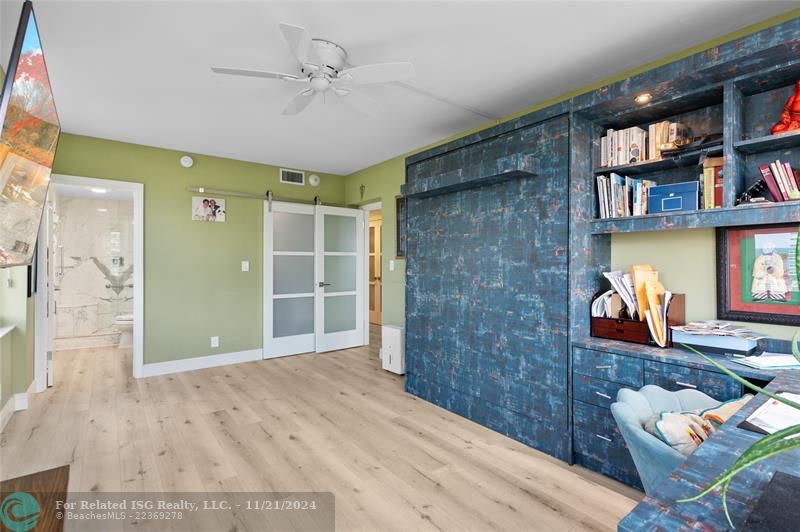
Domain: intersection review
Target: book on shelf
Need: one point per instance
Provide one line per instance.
(622, 147)
(657, 134)
(781, 180)
(619, 196)
(634, 144)
(712, 182)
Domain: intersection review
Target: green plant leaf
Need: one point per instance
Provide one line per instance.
(743, 382)
(748, 457)
(771, 450)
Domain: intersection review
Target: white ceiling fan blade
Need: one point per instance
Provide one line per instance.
(257, 73)
(299, 102)
(360, 102)
(300, 44)
(378, 73)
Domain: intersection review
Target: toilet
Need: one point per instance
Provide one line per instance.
(124, 322)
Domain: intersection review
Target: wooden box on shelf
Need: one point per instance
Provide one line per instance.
(635, 331)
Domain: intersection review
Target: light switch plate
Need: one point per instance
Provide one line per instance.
(391, 265)
(245, 265)
(215, 341)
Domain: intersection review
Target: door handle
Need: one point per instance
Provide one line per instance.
(321, 284)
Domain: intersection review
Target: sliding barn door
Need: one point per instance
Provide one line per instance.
(340, 278)
(313, 278)
(289, 279)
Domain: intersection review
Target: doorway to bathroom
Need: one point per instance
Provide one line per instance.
(90, 278)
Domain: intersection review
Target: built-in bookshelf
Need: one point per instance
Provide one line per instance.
(743, 109)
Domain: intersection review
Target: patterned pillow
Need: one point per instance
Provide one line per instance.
(720, 414)
(683, 431)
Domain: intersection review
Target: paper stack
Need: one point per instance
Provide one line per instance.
(653, 301)
(622, 284)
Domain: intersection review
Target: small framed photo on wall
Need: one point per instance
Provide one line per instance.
(757, 274)
(206, 209)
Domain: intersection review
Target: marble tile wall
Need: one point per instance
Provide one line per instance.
(93, 269)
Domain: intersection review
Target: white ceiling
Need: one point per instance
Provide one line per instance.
(139, 71)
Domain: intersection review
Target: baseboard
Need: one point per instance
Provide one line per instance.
(191, 364)
(15, 403)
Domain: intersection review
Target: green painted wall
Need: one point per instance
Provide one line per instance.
(16, 351)
(381, 183)
(686, 263)
(194, 287)
(384, 179)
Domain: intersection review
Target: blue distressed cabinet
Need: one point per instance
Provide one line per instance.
(505, 247)
(600, 368)
(486, 311)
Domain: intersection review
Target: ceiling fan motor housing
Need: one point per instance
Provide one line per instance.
(332, 55)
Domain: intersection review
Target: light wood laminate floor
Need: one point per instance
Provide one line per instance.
(330, 422)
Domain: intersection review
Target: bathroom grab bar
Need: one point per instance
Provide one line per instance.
(108, 285)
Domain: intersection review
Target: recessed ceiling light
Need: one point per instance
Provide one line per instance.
(98, 190)
(643, 98)
(102, 210)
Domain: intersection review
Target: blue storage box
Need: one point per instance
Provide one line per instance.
(675, 197)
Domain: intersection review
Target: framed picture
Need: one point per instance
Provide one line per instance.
(757, 274)
(402, 217)
(207, 209)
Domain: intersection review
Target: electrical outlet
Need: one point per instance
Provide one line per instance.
(245, 265)
(215, 341)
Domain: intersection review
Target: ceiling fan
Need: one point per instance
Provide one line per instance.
(322, 69)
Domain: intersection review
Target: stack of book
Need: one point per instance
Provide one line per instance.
(712, 182)
(623, 147)
(783, 182)
(620, 196)
(657, 134)
(634, 144)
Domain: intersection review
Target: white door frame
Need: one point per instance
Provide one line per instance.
(137, 191)
(375, 206)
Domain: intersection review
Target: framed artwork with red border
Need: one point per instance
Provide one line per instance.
(757, 274)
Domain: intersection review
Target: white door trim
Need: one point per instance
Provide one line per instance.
(42, 324)
(367, 208)
(137, 191)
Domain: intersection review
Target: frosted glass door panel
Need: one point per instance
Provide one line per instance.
(340, 273)
(289, 279)
(293, 274)
(293, 232)
(293, 316)
(340, 313)
(340, 234)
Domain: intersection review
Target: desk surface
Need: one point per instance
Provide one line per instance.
(712, 458)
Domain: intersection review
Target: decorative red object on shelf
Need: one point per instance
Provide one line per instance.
(790, 117)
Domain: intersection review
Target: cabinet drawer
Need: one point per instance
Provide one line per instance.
(672, 377)
(614, 368)
(600, 446)
(595, 391)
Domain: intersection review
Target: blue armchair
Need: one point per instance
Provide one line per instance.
(654, 459)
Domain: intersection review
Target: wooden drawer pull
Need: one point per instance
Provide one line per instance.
(603, 438)
(686, 385)
(604, 396)
(602, 367)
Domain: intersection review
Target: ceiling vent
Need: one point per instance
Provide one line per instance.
(293, 177)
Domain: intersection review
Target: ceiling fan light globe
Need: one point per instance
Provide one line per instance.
(320, 84)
